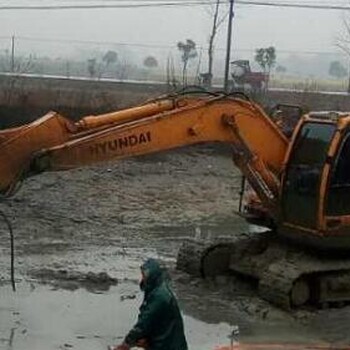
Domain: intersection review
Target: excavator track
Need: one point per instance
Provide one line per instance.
(287, 276)
(204, 258)
(293, 278)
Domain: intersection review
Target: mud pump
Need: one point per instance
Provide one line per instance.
(302, 183)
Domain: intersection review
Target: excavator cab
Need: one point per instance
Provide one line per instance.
(313, 211)
(316, 183)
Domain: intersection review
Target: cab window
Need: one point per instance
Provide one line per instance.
(339, 188)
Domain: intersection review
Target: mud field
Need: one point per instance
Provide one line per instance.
(82, 235)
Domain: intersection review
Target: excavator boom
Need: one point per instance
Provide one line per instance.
(53, 143)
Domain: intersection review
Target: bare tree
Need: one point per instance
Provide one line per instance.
(91, 66)
(124, 69)
(343, 42)
(188, 51)
(109, 60)
(110, 57)
(266, 58)
(217, 21)
(14, 88)
(19, 64)
(150, 62)
(337, 70)
(170, 72)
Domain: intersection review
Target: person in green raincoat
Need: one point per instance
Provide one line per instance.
(159, 325)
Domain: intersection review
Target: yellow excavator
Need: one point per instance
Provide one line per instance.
(301, 183)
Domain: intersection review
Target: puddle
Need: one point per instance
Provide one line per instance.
(69, 312)
(37, 317)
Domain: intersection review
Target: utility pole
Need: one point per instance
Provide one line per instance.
(348, 91)
(12, 54)
(228, 46)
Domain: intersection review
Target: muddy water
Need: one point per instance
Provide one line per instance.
(60, 306)
(37, 317)
(71, 227)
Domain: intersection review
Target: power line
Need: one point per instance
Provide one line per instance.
(343, 3)
(155, 3)
(294, 5)
(153, 45)
(110, 6)
(66, 41)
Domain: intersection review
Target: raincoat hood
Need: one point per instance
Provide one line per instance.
(153, 273)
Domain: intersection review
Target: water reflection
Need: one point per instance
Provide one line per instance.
(43, 318)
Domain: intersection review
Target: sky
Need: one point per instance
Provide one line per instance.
(287, 29)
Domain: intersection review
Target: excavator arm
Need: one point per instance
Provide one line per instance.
(53, 143)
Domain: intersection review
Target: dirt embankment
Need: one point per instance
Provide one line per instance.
(23, 99)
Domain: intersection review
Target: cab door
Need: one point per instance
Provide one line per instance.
(301, 186)
(338, 200)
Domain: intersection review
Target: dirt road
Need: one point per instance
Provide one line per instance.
(81, 236)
